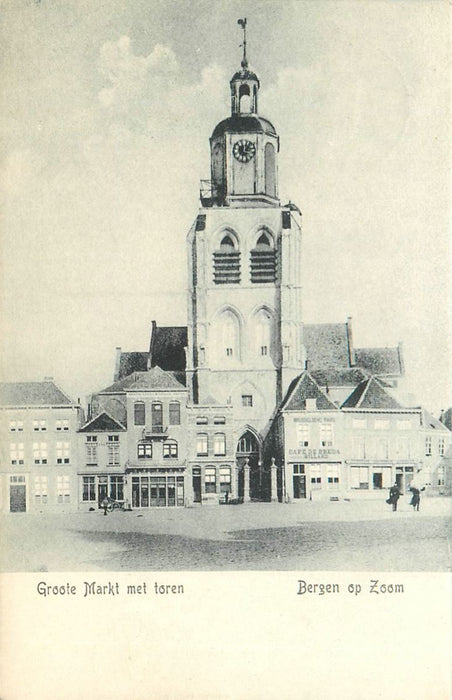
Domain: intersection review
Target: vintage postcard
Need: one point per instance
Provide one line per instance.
(225, 398)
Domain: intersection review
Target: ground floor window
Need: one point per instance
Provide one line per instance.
(381, 477)
(157, 491)
(89, 488)
(41, 490)
(63, 489)
(117, 488)
(299, 481)
(333, 476)
(359, 478)
(316, 476)
(404, 477)
(225, 480)
(210, 480)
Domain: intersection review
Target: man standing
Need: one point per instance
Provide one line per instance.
(394, 495)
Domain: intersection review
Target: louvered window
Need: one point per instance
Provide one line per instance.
(226, 263)
(263, 261)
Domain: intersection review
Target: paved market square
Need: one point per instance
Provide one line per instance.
(353, 536)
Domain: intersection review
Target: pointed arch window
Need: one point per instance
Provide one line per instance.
(226, 262)
(229, 335)
(263, 260)
(263, 333)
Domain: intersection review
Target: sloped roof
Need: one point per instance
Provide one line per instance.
(370, 394)
(339, 377)
(327, 345)
(102, 423)
(33, 394)
(380, 360)
(428, 421)
(152, 380)
(167, 347)
(131, 362)
(305, 387)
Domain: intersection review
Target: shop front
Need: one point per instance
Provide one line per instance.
(156, 488)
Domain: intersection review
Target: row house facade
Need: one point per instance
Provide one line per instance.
(356, 450)
(38, 447)
(145, 446)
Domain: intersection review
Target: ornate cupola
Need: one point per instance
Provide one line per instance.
(243, 148)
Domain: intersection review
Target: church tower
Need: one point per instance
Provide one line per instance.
(244, 268)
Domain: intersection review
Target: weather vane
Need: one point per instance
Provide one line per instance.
(242, 23)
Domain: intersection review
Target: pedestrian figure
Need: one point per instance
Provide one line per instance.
(226, 497)
(394, 495)
(104, 505)
(415, 498)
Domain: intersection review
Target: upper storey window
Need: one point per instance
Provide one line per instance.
(226, 262)
(263, 260)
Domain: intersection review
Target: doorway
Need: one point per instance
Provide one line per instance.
(17, 498)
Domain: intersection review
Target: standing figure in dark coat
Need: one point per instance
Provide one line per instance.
(394, 495)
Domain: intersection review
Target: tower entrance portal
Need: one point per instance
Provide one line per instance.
(253, 481)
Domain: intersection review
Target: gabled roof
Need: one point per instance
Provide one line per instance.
(33, 394)
(152, 380)
(167, 347)
(370, 394)
(305, 387)
(102, 423)
(128, 362)
(379, 361)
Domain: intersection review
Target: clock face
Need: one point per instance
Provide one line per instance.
(244, 150)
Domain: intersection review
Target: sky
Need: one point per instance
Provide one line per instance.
(107, 108)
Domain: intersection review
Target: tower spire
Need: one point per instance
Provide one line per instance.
(244, 62)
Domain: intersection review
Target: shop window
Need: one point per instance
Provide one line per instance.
(139, 413)
(170, 449)
(225, 480)
(359, 478)
(174, 413)
(202, 445)
(144, 450)
(210, 480)
(88, 488)
(219, 444)
(316, 476)
(333, 475)
(117, 488)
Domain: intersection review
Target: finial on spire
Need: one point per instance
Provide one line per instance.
(242, 23)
